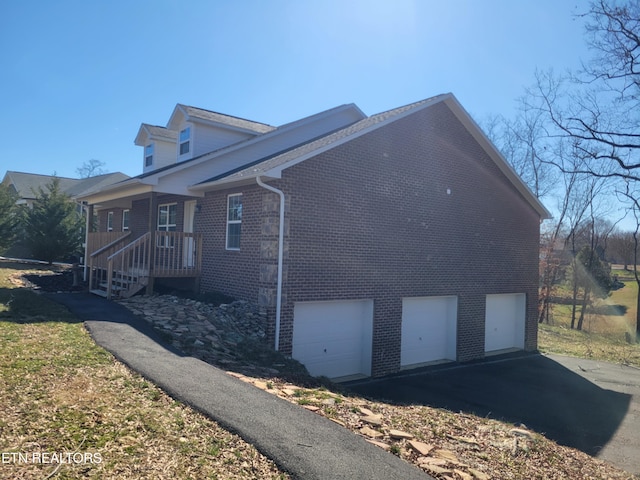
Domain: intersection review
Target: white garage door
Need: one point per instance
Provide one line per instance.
(334, 339)
(428, 329)
(504, 322)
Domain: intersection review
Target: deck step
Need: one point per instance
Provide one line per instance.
(114, 288)
(100, 293)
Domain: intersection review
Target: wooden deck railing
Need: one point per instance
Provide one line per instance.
(128, 268)
(99, 240)
(115, 265)
(101, 245)
(177, 254)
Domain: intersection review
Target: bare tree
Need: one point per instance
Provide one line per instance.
(91, 168)
(597, 107)
(526, 146)
(622, 248)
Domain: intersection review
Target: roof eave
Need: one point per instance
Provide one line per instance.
(114, 187)
(229, 182)
(504, 166)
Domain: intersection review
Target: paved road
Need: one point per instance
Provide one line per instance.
(302, 443)
(592, 406)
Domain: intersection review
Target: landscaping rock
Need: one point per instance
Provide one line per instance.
(377, 443)
(400, 435)
(218, 335)
(370, 432)
(420, 447)
(375, 420)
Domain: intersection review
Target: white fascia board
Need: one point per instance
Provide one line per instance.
(224, 126)
(276, 172)
(457, 109)
(108, 196)
(143, 134)
(199, 190)
(177, 110)
(478, 134)
(120, 188)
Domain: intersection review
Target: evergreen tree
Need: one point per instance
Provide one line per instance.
(8, 217)
(53, 227)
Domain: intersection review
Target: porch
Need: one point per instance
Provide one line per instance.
(120, 266)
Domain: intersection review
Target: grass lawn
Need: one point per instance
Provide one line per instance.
(605, 332)
(63, 395)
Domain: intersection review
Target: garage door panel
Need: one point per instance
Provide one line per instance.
(428, 329)
(504, 321)
(334, 338)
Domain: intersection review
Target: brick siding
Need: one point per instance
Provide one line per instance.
(415, 208)
(372, 219)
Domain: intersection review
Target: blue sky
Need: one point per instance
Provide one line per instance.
(77, 78)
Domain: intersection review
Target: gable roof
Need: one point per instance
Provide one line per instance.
(155, 132)
(207, 116)
(247, 166)
(150, 178)
(273, 166)
(26, 185)
(284, 159)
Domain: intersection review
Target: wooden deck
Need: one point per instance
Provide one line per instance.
(121, 266)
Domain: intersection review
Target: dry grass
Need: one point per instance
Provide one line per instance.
(65, 394)
(460, 446)
(61, 393)
(606, 332)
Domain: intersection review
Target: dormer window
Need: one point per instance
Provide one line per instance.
(185, 136)
(148, 155)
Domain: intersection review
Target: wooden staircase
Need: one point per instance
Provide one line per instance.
(123, 284)
(123, 272)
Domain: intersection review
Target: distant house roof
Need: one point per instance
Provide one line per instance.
(91, 184)
(27, 185)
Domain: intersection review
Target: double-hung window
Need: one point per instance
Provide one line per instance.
(110, 222)
(148, 155)
(185, 137)
(166, 223)
(125, 220)
(234, 221)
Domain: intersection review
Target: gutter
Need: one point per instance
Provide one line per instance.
(280, 255)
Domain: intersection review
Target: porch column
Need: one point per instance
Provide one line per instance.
(87, 230)
(153, 225)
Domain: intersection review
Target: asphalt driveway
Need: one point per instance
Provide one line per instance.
(592, 406)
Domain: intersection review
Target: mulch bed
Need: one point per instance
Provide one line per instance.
(61, 281)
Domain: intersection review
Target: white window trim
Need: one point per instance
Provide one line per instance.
(232, 222)
(125, 228)
(165, 227)
(187, 141)
(146, 156)
(109, 221)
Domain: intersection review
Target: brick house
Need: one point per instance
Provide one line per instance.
(374, 243)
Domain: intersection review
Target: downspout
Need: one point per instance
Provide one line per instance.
(280, 255)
